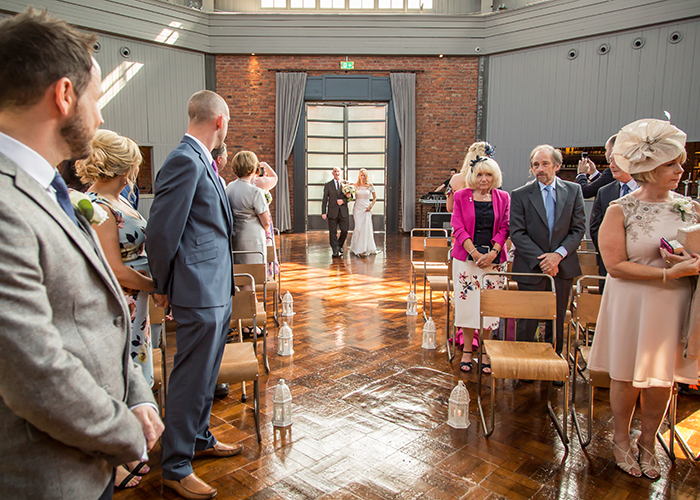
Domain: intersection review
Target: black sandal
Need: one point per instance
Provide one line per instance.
(467, 365)
(137, 469)
(128, 478)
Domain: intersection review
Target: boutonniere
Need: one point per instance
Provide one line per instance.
(94, 213)
(268, 197)
(683, 205)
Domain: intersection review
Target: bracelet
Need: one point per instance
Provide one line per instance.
(664, 276)
(473, 250)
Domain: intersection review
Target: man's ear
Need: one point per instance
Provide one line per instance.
(63, 95)
(220, 122)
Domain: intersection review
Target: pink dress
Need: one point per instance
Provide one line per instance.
(638, 334)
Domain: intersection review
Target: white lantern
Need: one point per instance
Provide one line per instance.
(411, 304)
(429, 334)
(285, 340)
(287, 304)
(458, 412)
(282, 405)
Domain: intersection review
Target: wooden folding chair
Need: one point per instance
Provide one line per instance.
(522, 360)
(442, 283)
(160, 373)
(240, 360)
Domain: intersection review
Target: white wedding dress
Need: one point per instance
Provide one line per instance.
(363, 235)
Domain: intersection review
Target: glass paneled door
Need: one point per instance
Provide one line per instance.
(349, 136)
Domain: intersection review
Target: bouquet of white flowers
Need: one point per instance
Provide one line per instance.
(348, 191)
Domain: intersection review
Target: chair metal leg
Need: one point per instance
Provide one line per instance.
(487, 431)
(450, 353)
(671, 414)
(244, 396)
(574, 415)
(560, 427)
(256, 397)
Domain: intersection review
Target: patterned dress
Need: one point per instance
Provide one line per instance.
(638, 334)
(132, 243)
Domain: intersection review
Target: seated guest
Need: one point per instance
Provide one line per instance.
(113, 165)
(625, 184)
(638, 332)
(251, 213)
(480, 230)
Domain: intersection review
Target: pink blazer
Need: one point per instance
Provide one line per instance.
(463, 221)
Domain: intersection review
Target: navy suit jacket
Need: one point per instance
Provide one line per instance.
(607, 194)
(529, 230)
(589, 189)
(330, 202)
(188, 237)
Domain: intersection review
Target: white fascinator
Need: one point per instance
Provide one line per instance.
(645, 144)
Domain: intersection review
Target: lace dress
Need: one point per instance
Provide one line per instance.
(132, 243)
(638, 334)
(363, 235)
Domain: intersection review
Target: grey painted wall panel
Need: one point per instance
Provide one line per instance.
(539, 96)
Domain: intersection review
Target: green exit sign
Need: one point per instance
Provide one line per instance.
(347, 64)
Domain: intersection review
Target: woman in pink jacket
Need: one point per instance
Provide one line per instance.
(479, 230)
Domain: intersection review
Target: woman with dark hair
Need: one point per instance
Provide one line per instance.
(648, 292)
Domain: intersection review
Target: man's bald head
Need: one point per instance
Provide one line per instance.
(205, 106)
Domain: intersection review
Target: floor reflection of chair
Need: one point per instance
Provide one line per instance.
(160, 372)
(522, 360)
(442, 283)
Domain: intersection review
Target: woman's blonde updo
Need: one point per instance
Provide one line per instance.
(482, 149)
(112, 155)
(244, 163)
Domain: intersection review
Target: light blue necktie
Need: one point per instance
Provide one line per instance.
(59, 185)
(551, 209)
(625, 190)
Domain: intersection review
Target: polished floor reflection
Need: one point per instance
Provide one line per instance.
(370, 408)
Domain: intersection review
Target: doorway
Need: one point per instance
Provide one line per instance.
(350, 136)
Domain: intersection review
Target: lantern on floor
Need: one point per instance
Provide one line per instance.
(287, 304)
(458, 412)
(282, 405)
(285, 340)
(429, 334)
(411, 304)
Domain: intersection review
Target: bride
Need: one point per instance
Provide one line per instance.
(363, 234)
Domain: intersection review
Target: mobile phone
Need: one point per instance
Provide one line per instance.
(663, 243)
(584, 155)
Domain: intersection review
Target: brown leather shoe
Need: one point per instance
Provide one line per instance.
(191, 487)
(220, 450)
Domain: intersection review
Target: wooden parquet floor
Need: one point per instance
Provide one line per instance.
(370, 406)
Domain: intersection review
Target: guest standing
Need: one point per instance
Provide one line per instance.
(362, 243)
(638, 333)
(480, 230)
(189, 252)
(547, 222)
(73, 405)
(112, 166)
(266, 179)
(334, 209)
(251, 213)
(459, 181)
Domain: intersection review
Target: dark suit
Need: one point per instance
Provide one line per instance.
(529, 232)
(607, 194)
(589, 189)
(336, 215)
(189, 252)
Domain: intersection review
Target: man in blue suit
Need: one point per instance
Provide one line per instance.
(189, 252)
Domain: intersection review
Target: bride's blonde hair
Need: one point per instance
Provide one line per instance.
(363, 171)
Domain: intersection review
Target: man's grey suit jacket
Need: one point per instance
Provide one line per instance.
(66, 376)
(529, 230)
(188, 237)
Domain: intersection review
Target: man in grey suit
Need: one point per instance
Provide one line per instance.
(72, 403)
(189, 252)
(547, 222)
(334, 209)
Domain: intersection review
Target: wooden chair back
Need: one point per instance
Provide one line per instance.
(244, 302)
(519, 304)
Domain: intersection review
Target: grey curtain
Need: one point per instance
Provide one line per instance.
(290, 99)
(403, 91)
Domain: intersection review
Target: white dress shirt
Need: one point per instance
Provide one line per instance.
(30, 161)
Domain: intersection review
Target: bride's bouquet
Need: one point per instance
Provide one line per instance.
(348, 191)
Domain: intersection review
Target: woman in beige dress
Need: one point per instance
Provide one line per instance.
(647, 294)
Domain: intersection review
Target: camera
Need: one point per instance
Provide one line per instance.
(261, 170)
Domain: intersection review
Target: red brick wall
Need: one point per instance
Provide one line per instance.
(445, 106)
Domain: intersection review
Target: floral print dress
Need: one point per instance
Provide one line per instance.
(132, 243)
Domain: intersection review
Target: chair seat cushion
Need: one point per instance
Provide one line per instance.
(238, 364)
(526, 360)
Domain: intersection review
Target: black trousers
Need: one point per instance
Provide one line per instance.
(527, 327)
(342, 222)
(109, 490)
